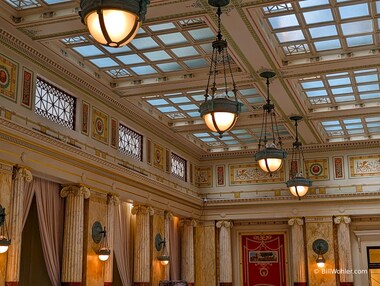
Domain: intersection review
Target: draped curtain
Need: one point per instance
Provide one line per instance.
(50, 209)
(123, 242)
(174, 249)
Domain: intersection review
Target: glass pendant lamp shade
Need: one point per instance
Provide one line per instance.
(220, 112)
(270, 158)
(4, 240)
(113, 23)
(104, 253)
(298, 185)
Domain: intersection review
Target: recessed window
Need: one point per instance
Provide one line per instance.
(130, 142)
(178, 167)
(55, 104)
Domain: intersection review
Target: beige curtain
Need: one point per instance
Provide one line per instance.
(50, 208)
(174, 249)
(123, 248)
(28, 199)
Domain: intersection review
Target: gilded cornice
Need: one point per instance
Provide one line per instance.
(54, 148)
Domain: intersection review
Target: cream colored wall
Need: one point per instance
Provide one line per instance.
(205, 254)
(95, 210)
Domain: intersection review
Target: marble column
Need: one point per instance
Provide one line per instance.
(187, 250)
(141, 275)
(72, 259)
(344, 249)
(168, 216)
(20, 176)
(112, 202)
(298, 252)
(225, 254)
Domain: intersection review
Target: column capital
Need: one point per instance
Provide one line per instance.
(342, 219)
(76, 190)
(113, 200)
(141, 209)
(188, 222)
(295, 221)
(224, 223)
(23, 173)
(168, 215)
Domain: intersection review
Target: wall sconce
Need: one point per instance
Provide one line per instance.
(320, 247)
(160, 243)
(99, 236)
(4, 241)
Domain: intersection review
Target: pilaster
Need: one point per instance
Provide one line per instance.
(225, 254)
(298, 251)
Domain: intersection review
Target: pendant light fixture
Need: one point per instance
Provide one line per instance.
(219, 112)
(269, 157)
(297, 183)
(113, 23)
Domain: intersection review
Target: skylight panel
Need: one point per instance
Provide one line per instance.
(368, 96)
(157, 56)
(156, 102)
(278, 8)
(324, 31)
(341, 90)
(255, 100)
(201, 135)
(372, 119)
(378, 7)
(167, 109)
(74, 40)
(202, 34)
(339, 81)
(143, 70)
(161, 27)
(333, 128)
(318, 16)
(185, 52)
(353, 11)
(368, 87)
(169, 67)
(365, 71)
(290, 36)
(207, 48)
(51, 2)
(352, 120)
(179, 99)
(193, 114)
(344, 98)
(19, 5)
(123, 49)
(354, 126)
(187, 107)
(130, 59)
(366, 78)
(284, 21)
(197, 63)
(359, 41)
(118, 73)
(314, 93)
(173, 39)
(88, 51)
(328, 123)
(357, 27)
(248, 91)
(144, 43)
(312, 84)
(312, 3)
(327, 45)
(104, 62)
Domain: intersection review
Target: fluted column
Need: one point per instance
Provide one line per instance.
(168, 216)
(72, 259)
(344, 250)
(21, 175)
(141, 275)
(298, 252)
(112, 202)
(225, 254)
(187, 250)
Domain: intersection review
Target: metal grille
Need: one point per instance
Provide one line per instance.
(130, 142)
(178, 167)
(55, 104)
